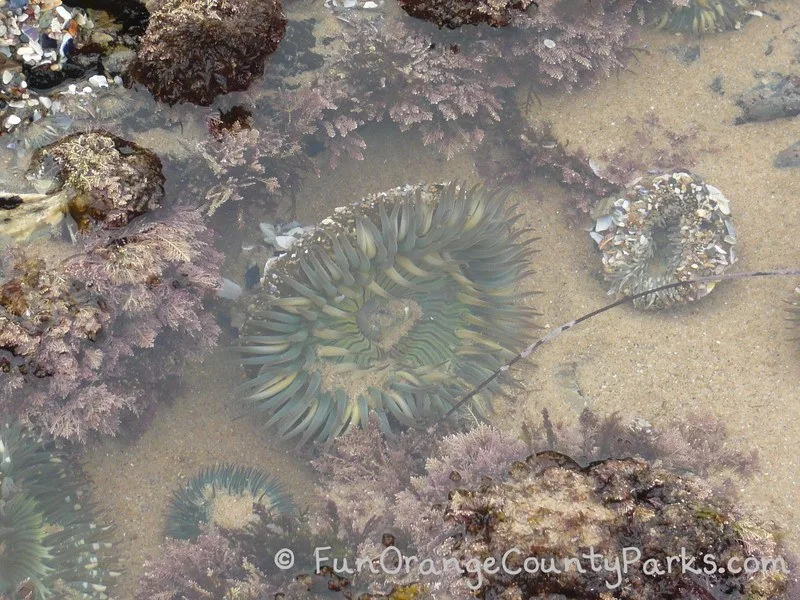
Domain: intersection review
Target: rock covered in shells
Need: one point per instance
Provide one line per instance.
(194, 50)
(455, 13)
(550, 510)
(664, 229)
(113, 179)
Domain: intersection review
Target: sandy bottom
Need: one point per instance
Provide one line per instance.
(730, 355)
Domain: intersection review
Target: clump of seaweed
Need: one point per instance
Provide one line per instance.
(696, 443)
(210, 566)
(50, 543)
(251, 162)
(194, 50)
(514, 157)
(76, 330)
(448, 92)
(396, 305)
(226, 496)
(569, 43)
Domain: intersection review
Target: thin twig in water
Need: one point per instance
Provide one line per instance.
(554, 333)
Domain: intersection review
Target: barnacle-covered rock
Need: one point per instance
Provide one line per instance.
(455, 13)
(225, 496)
(664, 229)
(550, 510)
(701, 16)
(114, 180)
(398, 305)
(194, 50)
(50, 544)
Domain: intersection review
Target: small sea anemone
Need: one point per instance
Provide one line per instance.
(702, 16)
(397, 305)
(673, 227)
(50, 545)
(113, 103)
(226, 496)
(45, 131)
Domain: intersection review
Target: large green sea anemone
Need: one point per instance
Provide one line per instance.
(226, 496)
(398, 305)
(50, 544)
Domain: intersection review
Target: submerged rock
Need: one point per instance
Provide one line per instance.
(110, 179)
(789, 158)
(455, 13)
(550, 510)
(194, 50)
(773, 100)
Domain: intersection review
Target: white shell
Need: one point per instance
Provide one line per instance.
(604, 223)
(98, 81)
(11, 121)
(548, 43)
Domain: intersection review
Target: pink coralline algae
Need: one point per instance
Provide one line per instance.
(448, 92)
(85, 337)
(567, 42)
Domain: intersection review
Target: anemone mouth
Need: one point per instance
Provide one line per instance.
(226, 496)
(703, 16)
(673, 228)
(397, 305)
(50, 545)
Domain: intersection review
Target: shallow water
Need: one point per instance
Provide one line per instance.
(731, 354)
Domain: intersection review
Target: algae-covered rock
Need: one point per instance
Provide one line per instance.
(113, 180)
(194, 50)
(455, 13)
(549, 510)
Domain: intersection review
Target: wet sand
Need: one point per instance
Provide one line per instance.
(730, 354)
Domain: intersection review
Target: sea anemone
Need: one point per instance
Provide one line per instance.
(45, 131)
(50, 544)
(673, 227)
(702, 16)
(113, 103)
(399, 305)
(227, 496)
